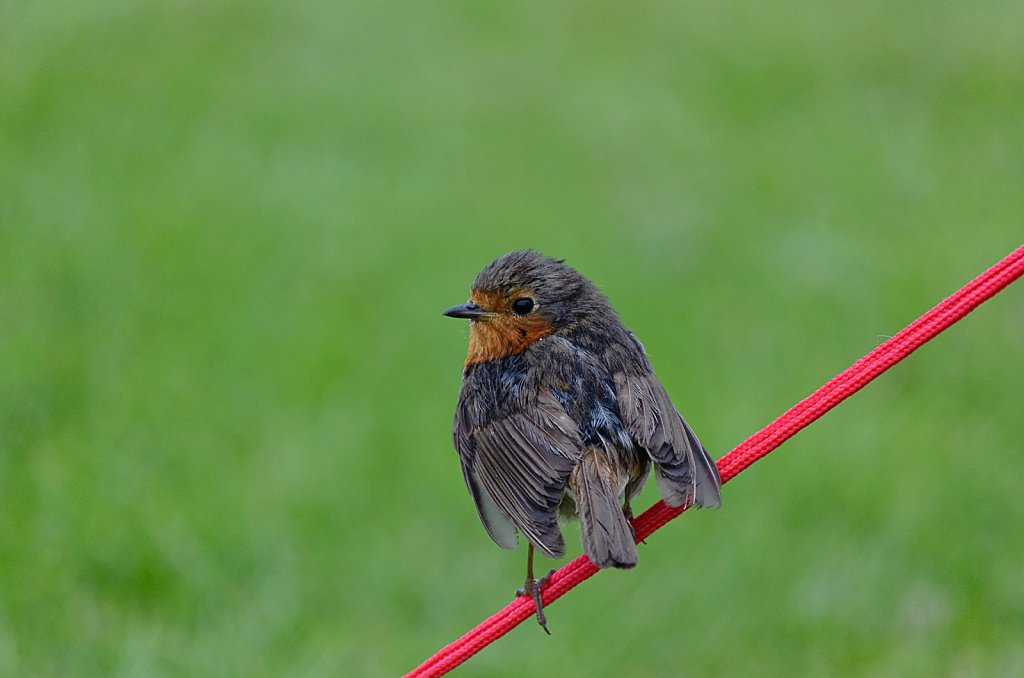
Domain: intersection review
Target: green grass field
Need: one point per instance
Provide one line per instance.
(228, 231)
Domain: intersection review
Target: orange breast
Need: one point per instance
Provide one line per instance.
(504, 336)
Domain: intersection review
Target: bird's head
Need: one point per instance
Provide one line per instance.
(519, 298)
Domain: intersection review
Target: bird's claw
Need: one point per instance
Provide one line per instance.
(534, 588)
(628, 512)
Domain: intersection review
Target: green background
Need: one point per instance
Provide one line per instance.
(227, 233)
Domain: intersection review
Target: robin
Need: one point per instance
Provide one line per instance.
(560, 414)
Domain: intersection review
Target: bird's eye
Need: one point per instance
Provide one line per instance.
(522, 305)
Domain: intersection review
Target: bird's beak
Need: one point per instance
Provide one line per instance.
(467, 310)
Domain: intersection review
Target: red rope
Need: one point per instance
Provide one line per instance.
(837, 389)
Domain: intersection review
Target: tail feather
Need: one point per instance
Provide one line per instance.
(607, 537)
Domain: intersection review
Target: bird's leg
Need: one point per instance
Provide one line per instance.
(627, 510)
(533, 588)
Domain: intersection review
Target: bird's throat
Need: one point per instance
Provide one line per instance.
(503, 336)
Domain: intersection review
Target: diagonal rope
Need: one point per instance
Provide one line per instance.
(833, 392)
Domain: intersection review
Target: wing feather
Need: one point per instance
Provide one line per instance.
(516, 469)
(685, 472)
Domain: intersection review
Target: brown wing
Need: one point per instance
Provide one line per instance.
(686, 474)
(516, 469)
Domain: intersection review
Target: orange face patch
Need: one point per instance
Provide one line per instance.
(503, 333)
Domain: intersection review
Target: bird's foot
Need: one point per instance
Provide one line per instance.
(533, 588)
(628, 512)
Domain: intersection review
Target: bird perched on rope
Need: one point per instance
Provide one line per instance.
(560, 413)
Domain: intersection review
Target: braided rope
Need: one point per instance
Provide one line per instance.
(833, 392)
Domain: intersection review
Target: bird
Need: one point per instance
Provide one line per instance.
(561, 416)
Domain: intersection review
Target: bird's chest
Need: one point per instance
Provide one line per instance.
(573, 376)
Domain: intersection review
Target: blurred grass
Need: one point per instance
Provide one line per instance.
(227, 231)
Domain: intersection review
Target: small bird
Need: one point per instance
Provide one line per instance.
(560, 414)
